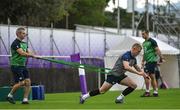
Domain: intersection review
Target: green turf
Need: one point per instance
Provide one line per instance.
(168, 99)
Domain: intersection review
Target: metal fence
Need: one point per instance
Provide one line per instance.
(58, 42)
(61, 44)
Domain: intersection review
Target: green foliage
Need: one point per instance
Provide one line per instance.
(110, 20)
(88, 12)
(125, 18)
(33, 12)
(43, 12)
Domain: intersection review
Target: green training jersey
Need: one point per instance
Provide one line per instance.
(16, 58)
(149, 50)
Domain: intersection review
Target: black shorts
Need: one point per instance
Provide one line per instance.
(115, 79)
(157, 74)
(150, 67)
(20, 73)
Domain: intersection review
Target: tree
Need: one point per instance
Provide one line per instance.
(45, 12)
(33, 12)
(88, 12)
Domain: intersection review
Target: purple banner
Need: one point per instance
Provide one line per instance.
(75, 57)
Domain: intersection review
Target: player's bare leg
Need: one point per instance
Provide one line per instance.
(13, 90)
(131, 87)
(104, 88)
(154, 85)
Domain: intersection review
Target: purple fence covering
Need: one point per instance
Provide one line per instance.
(75, 57)
(57, 42)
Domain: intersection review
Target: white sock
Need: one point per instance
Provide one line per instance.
(120, 97)
(10, 95)
(155, 92)
(85, 96)
(25, 100)
(147, 90)
(156, 89)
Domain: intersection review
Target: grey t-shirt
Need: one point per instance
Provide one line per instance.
(118, 68)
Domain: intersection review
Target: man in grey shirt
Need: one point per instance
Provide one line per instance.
(126, 62)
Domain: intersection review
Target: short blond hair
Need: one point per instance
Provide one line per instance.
(137, 45)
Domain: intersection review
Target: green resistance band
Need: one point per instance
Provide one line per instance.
(78, 65)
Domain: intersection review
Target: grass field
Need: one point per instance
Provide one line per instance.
(168, 99)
